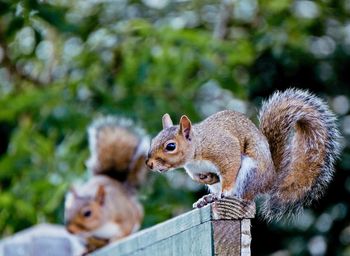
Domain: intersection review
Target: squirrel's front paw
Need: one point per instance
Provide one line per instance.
(207, 199)
(207, 178)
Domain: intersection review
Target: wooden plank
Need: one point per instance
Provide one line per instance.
(158, 232)
(246, 237)
(227, 237)
(213, 229)
(194, 241)
(231, 231)
(233, 209)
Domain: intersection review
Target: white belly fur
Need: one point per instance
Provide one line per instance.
(203, 166)
(248, 164)
(108, 230)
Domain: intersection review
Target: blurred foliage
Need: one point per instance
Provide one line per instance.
(63, 63)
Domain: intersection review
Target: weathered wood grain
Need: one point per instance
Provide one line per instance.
(233, 209)
(246, 237)
(159, 232)
(194, 241)
(227, 237)
(217, 229)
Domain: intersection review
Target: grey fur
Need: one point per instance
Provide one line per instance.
(115, 121)
(274, 206)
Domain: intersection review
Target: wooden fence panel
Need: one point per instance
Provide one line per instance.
(222, 228)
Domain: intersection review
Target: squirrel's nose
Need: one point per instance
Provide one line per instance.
(70, 228)
(149, 163)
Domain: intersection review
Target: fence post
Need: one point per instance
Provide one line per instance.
(222, 228)
(231, 226)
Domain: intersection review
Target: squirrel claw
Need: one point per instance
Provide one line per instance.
(222, 195)
(207, 199)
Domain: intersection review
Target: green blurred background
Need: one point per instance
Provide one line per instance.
(64, 63)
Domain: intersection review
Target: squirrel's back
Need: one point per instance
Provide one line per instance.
(304, 143)
(232, 123)
(118, 149)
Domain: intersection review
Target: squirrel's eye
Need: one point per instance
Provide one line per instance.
(87, 213)
(170, 146)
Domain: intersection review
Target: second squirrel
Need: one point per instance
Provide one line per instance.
(106, 208)
(102, 211)
(290, 158)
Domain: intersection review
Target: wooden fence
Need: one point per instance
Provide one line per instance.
(222, 228)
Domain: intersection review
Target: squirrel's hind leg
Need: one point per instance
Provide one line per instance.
(229, 164)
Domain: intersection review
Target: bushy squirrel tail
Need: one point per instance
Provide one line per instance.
(305, 143)
(118, 149)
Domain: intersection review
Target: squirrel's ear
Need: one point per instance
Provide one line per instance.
(100, 195)
(73, 191)
(185, 127)
(166, 121)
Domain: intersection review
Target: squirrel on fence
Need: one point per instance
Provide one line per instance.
(290, 158)
(106, 208)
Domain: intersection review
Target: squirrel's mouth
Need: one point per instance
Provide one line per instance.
(165, 169)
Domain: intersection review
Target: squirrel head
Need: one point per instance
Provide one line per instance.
(173, 146)
(84, 213)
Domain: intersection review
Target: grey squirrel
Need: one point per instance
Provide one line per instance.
(290, 158)
(106, 208)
